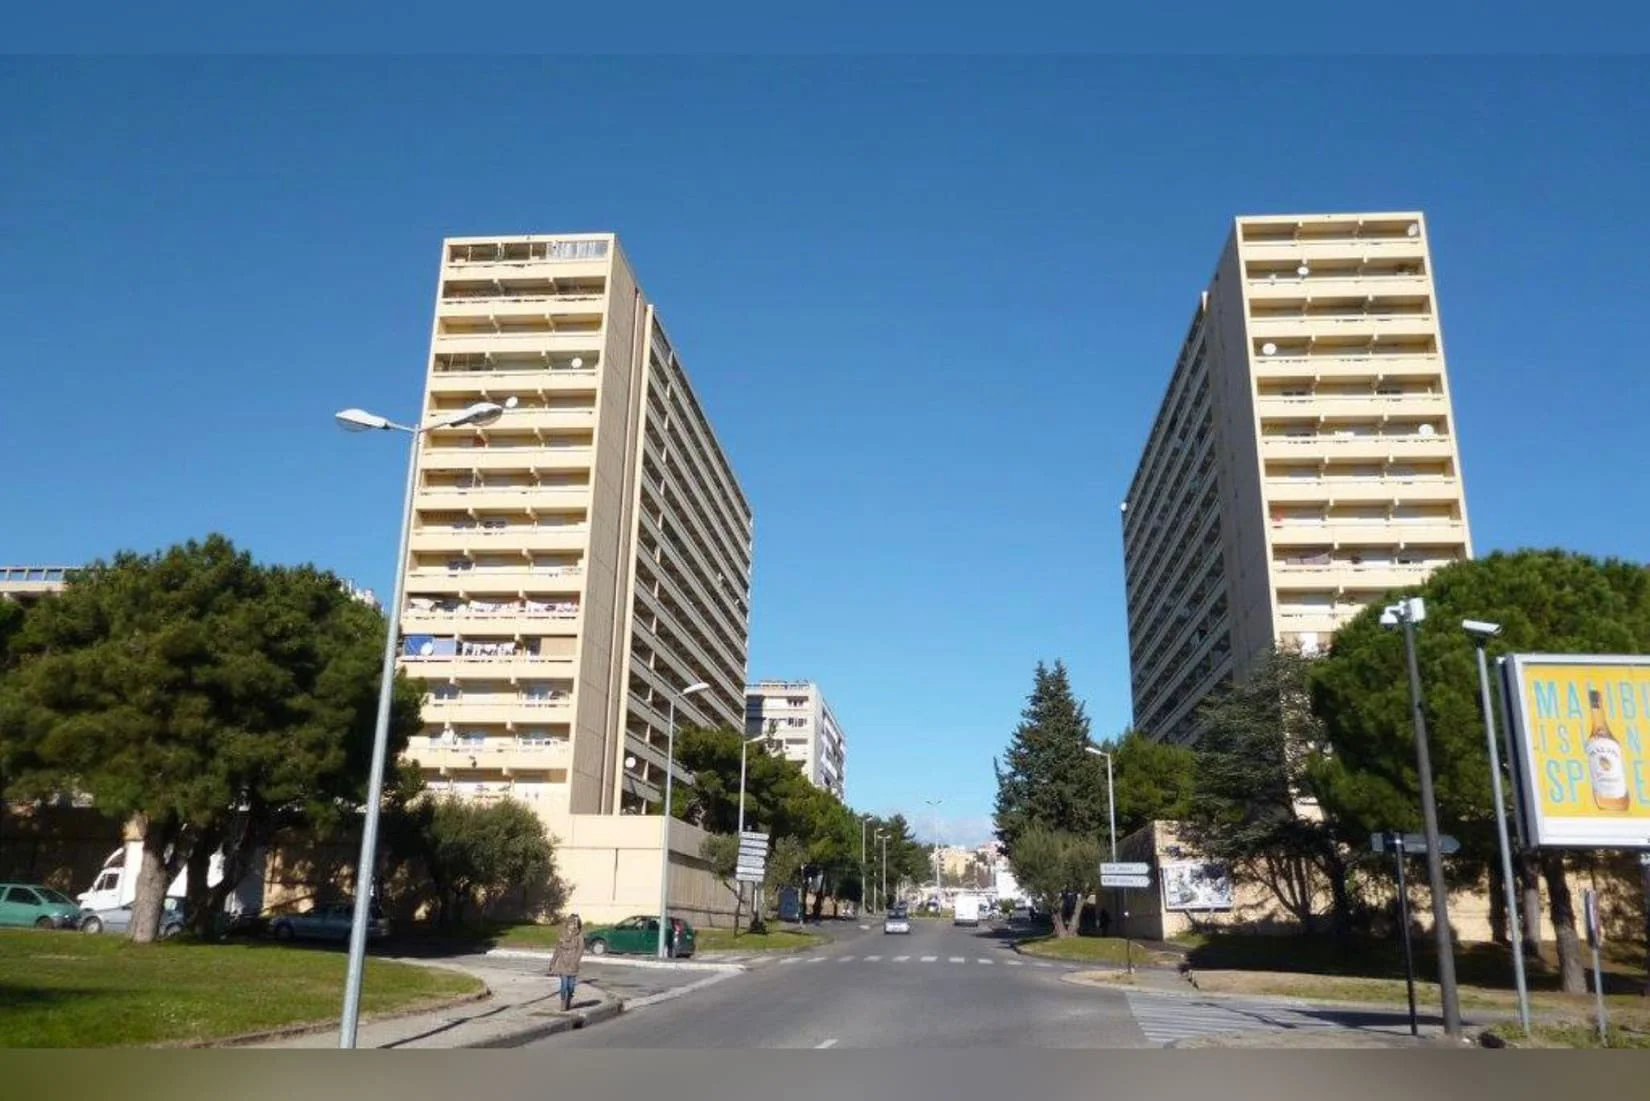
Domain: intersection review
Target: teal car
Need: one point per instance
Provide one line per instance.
(637, 936)
(30, 904)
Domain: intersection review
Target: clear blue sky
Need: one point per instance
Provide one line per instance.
(930, 304)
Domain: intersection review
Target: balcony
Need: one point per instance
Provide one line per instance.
(1368, 532)
(498, 710)
(1371, 367)
(506, 755)
(1332, 328)
(505, 381)
(513, 537)
(576, 457)
(479, 581)
(506, 270)
(515, 665)
(1293, 287)
(503, 498)
(1352, 406)
(508, 304)
(1369, 448)
(550, 343)
(1294, 577)
(1331, 491)
(1310, 247)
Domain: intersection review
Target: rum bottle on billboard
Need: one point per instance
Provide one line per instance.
(1604, 760)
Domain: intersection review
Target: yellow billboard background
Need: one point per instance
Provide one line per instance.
(1557, 724)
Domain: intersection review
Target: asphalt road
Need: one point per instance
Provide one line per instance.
(941, 986)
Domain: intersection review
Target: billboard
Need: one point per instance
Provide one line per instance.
(1193, 885)
(1578, 724)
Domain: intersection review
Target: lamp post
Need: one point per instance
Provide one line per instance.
(1111, 820)
(359, 420)
(664, 827)
(882, 891)
(864, 820)
(934, 815)
(1481, 633)
(1407, 613)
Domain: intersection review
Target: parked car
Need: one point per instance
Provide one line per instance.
(637, 936)
(330, 922)
(26, 904)
(897, 920)
(118, 919)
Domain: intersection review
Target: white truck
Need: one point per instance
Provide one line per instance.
(965, 909)
(116, 884)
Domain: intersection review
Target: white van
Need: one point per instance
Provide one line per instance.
(116, 884)
(965, 910)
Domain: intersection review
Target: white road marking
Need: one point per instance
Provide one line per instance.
(813, 959)
(1014, 963)
(864, 926)
(901, 959)
(1165, 1019)
(844, 959)
(984, 961)
(958, 959)
(790, 959)
(929, 959)
(872, 959)
(826, 1043)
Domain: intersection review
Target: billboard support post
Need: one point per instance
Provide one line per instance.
(1508, 883)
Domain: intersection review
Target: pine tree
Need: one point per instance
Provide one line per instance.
(1045, 778)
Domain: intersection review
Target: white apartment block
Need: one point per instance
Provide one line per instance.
(574, 564)
(795, 715)
(1303, 462)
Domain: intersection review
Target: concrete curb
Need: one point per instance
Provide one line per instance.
(555, 1023)
(621, 961)
(286, 1032)
(677, 992)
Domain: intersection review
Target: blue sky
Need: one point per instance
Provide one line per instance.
(930, 304)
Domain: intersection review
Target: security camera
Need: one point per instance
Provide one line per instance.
(1480, 628)
(1389, 617)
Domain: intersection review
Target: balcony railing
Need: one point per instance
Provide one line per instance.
(516, 298)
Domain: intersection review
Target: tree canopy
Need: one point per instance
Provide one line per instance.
(474, 853)
(1045, 777)
(201, 694)
(1153, 780)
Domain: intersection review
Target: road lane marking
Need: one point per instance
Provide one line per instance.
(813, 959)
(929, 959)
(984, 961)
(958, 959)
(864, 926)
(901, 959)
(826, 1043)
(844, 959)
(872, 959)
(1014, 963)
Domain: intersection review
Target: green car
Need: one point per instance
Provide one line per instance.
(637, 936)
(27, 904)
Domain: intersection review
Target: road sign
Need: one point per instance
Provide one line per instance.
(752, 835)
(1125, 880)
(1126, 868)
(753, 847)
(749, 877)
(756, 862)
(1415, 844)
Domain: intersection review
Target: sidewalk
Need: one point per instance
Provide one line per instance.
(522, 1006)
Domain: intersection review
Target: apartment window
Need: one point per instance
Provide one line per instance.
(445, 692)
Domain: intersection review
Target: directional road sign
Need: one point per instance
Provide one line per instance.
(752, 835)
(1126, 868)
(1125, 880)
(1415, 844)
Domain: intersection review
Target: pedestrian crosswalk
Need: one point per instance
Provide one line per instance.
(1165, 1018)
(947, 960)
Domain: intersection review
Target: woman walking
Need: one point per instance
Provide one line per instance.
(564, 963)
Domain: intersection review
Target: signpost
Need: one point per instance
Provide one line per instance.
(1401, 845)
(1129, 875)
(1595, 934)
(752, 863)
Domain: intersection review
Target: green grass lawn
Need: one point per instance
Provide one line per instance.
(778, 940)
(1111, 950)
(1570, 1036)
(63, 989)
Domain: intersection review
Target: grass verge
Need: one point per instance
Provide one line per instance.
(60, 989)
(1113, 950)
(778, 940)
(1570, 1036)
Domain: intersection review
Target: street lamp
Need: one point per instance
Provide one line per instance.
(1407, 613)
(864, 820)
(1111, 803)
(664, 827)
(882, 891)
(1481, 633)
(934, 813)
(478, 414)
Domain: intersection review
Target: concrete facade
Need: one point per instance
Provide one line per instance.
(800, 721)
(575, 564)
(1303, 462)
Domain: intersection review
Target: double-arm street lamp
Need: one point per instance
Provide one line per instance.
(359, 420)
(664, 827)
(1406, 614)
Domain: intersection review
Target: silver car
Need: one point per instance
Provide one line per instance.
(896, 922)
(118, 919)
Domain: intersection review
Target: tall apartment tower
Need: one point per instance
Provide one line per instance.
(1303, 462)
(581, 560)
(796, 716)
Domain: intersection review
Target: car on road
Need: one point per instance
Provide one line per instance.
(330, 922)
(897, 921)
(118, 919)
(638, 936)
(26, 904)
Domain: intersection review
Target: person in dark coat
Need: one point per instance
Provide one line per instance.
(569, 953)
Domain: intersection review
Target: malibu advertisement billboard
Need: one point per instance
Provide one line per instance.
(1579, 723)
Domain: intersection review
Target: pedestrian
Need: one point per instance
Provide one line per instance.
(564, 963)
